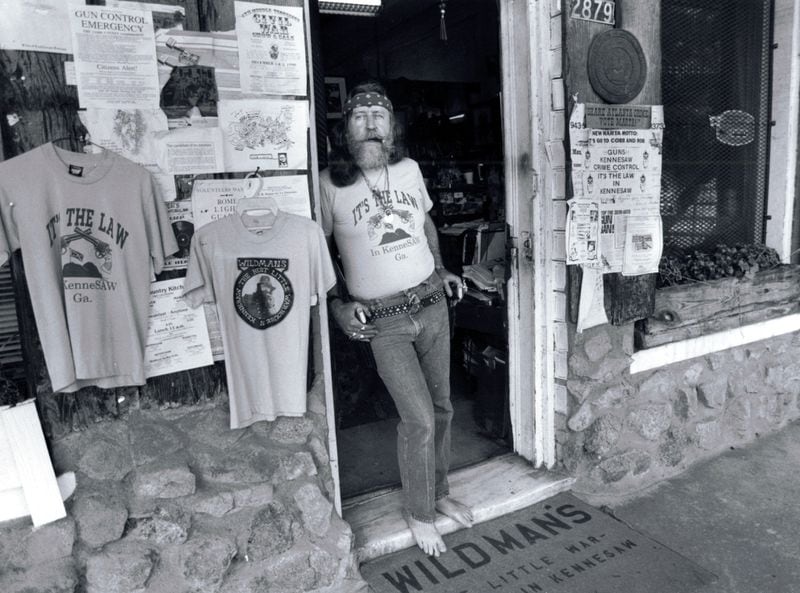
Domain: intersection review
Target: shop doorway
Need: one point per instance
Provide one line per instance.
(447, 95)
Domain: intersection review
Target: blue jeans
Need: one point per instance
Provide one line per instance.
(412, 354)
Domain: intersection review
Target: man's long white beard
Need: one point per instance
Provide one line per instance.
(370, 154)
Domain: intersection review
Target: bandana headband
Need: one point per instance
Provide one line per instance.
(367, 100)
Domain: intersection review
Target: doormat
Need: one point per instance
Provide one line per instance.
(560, 545)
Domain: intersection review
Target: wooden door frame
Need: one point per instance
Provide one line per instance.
(316, 91)
(783, 144)
(525, 50)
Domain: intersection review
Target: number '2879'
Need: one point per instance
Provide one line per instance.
(598, 11)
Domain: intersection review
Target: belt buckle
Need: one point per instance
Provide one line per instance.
(413, 303)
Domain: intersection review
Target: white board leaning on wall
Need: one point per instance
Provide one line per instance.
(28, 485)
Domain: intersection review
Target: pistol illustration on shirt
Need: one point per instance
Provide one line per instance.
(388, 223)
(102, 251)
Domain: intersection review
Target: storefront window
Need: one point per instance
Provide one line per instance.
(715, 84)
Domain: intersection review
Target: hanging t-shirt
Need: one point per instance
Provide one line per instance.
(92, 231)
(262, 284)
(380, 235)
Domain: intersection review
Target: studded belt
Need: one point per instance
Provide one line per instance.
(414, 304)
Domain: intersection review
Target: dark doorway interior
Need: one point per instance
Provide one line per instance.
(446, 96)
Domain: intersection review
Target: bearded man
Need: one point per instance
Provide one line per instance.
(375, 208)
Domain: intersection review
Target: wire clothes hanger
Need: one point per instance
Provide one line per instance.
(84, 139)
(257, 211)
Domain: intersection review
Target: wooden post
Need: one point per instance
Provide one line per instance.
(627, 298)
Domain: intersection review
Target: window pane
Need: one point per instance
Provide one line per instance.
(715, 59)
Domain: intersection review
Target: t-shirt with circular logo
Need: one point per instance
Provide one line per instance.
(262, 285)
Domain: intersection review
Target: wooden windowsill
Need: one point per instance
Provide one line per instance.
(698, 309)
(693, 320)
(652, 358)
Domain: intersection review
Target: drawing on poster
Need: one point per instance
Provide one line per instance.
(130, 129)
(271, 134)
(127, 132)
(253, 129)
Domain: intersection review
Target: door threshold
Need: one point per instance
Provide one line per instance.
(493, 488)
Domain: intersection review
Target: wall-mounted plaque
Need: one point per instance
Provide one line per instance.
(617, 66)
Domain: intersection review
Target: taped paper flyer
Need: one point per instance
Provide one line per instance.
(272, 49)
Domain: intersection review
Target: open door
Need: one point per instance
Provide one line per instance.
(464, 106)
(450, 114)
(479, 144)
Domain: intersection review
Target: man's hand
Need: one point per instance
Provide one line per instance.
(352, 319)
(454, 286)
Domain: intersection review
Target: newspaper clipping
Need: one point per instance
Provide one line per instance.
(191, 151)
(177, 337)
(616, 166)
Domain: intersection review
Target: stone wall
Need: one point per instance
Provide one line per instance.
(171, 500)
(624, 432)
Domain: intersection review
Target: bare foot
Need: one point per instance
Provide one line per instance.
(455, 510)
(427, 537)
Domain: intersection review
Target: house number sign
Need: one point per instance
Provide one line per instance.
(596, 11)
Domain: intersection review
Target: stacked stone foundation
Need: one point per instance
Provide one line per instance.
(173, 501)
(623, 432)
